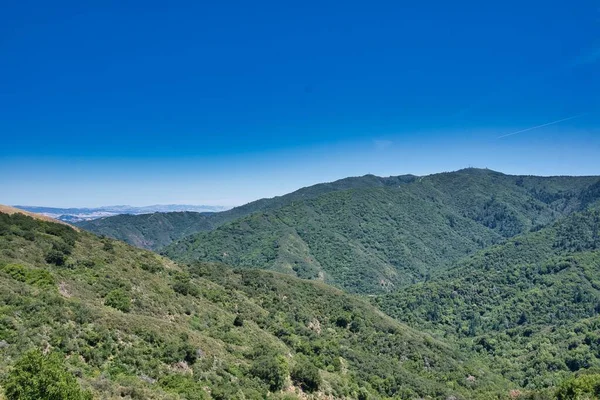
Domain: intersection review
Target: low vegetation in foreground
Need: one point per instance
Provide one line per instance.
(96, 317)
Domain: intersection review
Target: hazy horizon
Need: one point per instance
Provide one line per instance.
(263, 197)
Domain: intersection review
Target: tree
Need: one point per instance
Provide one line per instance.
(522, 319)
(473, 324)
(39, 377)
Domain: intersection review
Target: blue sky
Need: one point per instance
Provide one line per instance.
(225, 102)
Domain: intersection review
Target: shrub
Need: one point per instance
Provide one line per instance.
(37, 277)
(108, 246)
(343, 321)
(29, 235)
(40, 277)
(55, 257)
(272, 370)
(238, 321)
(16, 271)
(39, 377)
(179, 350)
(306, 375)
(151, 267)
(62, 247)
(363, 394)
(183, 285)
(118, 299)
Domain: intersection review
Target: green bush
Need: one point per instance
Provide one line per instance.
(179, 350)
(151, 267)
(271, 369)
(238, 321)
(16, 271)
(580, 388)
(306, 375)
(183, 285)
(62, 247)
(40, 277)
(55, 257)
(108, 246)
(118, 299)
(37, 277)
(39, 377)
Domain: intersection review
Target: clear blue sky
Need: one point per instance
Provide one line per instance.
(224, 102)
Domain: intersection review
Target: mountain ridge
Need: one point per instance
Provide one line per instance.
(141, 230)
(371, 239)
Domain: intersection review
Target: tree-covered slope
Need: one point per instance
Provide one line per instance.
(154, 231)
(123, 322)
(150, 231)
(370, 240)
(531, 304)
(311, 192)
(360, 240)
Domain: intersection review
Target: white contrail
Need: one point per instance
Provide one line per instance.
(540, 126)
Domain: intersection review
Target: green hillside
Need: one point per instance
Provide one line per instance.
(310, 192)
(375, 239)
(531, 305)
(119, 322)
(154, 231)
(150, 231)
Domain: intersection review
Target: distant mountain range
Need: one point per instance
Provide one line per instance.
(73, 215)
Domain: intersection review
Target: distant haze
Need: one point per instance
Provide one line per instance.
(86, 214)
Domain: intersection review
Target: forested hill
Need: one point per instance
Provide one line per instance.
(150, 231)
(531, 305)
(83, 316)
(376, 239)
(154, 231)
(311, 192)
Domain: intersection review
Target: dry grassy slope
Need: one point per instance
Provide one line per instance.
(11, 210)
